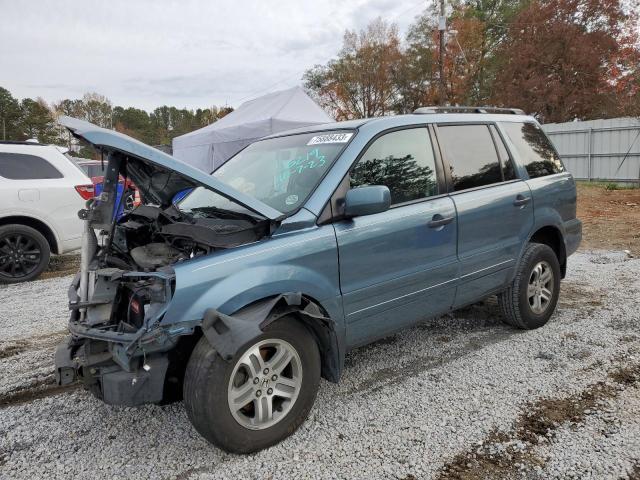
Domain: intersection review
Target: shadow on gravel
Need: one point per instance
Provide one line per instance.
(447, 338)
(506, 455)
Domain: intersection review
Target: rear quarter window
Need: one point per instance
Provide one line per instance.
(19, 166)
(534, 149)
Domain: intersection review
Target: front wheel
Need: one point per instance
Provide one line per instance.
(259, 397)
(532, 297)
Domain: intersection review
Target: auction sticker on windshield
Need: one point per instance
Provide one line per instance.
(330, 138)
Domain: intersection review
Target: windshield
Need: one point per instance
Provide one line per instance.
(280, 172)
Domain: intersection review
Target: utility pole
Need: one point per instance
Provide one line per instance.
(442, 26)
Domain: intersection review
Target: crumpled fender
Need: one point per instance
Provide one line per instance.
(228, 333)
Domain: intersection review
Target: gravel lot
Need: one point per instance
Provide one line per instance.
(460, 396)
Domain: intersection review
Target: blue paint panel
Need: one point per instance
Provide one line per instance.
(392, 259)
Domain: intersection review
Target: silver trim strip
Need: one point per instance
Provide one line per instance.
(402, 296)
(429, 288)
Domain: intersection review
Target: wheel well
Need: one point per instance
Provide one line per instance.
(41, 227)
(552, 237)
(322, 332)
(326, 338)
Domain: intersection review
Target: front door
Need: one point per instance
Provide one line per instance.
(398, 266)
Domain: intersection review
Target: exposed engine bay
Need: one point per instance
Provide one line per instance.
(150, 237)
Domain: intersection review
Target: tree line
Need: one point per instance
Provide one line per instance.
(559, 60)
(35, 119)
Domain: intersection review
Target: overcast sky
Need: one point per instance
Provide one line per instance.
(193, 53)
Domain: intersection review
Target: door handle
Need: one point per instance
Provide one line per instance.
(439, 221)
(521, 200)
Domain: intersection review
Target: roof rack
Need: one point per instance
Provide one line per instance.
(453, 109)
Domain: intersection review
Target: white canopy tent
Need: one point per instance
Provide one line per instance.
(211, 146)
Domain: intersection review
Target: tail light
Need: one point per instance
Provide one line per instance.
(85, 191)
(136, 198)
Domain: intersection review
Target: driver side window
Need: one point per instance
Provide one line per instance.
(402, 160)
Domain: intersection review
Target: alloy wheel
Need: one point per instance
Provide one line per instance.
(540, 287)
(19, 255)
(265, 384)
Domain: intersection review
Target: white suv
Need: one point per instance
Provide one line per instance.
(41, 191)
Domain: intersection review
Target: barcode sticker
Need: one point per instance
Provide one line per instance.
(330, 138)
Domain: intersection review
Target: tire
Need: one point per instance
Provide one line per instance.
(521, 310)
(208, 389)
(24, 253)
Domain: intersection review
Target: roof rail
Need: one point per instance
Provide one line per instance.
(18, 142)
(453, 109)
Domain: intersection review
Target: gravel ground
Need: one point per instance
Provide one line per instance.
(457, 397)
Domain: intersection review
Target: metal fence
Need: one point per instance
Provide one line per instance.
(595, 149)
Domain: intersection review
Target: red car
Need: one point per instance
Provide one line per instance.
(94, 169)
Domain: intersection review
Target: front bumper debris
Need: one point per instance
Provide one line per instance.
(89, 361)
(118, 364)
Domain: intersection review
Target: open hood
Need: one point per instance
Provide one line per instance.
(159, 176)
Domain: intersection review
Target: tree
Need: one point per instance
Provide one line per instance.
(97, 109)
(568, 59)
(36, 121)
(417, 81)
(9, 116)
(482, 27)
(133, 122)
(361, 81)
(475, 30)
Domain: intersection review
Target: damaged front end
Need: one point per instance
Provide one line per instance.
(121, 345)
(117, 346)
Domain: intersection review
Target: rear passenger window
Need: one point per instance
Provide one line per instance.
(403, 161)
(508, 170)
(472, 156)
(534, 149)
(18, 166)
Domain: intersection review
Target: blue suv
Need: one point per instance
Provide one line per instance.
(240, 295)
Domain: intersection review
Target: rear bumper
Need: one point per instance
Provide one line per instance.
(91, 363)
(572, 235)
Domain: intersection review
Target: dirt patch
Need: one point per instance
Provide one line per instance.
(35, 392)
(626, 376)
(610, 218)
(60, 266)
(498, 457)
(580, 296)
(546, 415)
(505, 455)
(11, 348)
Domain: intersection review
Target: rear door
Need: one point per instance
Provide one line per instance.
(398, 266)
(494, 207)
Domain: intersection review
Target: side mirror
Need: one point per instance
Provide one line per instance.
(367, 200)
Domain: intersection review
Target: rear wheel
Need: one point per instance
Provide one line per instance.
(24, 253)
(532, 297)
(259, 397)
